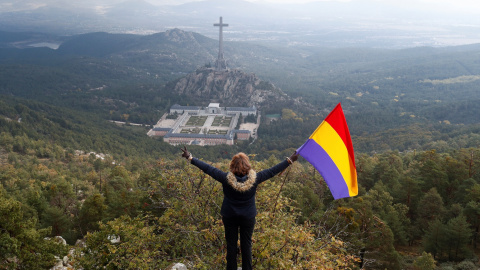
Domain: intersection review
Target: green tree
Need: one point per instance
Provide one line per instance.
(457, 237)
(368, 234)
(453, 211)
(123, 243)
(288, 114)
(98, 164)
(472, 193)
(395, 215)
(22, 246)
(365, 165)
(424, 262)
(434, 239)
(430, 208)
(432, 173)
(388, 170)
(56, 219)
(121, 198)
(190, 228)
(472, 213)
(92, 212)
(456, 173)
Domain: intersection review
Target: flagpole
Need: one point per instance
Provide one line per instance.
(281, 187)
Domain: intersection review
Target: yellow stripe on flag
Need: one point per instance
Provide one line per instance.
(333, 144)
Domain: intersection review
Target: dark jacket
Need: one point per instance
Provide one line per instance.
(239, 191)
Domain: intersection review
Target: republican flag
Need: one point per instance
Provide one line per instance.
(329, 149)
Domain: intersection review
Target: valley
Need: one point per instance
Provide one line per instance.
(412, 113)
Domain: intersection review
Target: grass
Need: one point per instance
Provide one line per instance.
(196, 120)
(222, 121)
(217, 132)
(190, 131)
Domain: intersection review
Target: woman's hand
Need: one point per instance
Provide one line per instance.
(293, 157)
(186, 154)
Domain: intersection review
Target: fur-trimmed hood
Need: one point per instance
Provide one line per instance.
(242, 186)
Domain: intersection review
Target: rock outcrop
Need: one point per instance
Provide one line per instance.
(177, 266)
(233, 88)
(65, 262)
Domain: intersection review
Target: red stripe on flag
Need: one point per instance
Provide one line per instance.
(337, 120)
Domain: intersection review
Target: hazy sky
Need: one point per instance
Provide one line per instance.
(453, 7)
(471, 6)
(425, 22)
(468, 6)
(458, 3)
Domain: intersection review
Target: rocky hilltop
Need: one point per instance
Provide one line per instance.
(233, 88)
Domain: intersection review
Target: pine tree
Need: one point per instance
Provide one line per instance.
(457, 237)
(430, 208)
(472, 213)
(22, 246)
(92, 211)
(434, 239)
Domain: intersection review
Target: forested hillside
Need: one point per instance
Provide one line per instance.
(408, 203)
(385, 92)
(438, 84)
(66, 170)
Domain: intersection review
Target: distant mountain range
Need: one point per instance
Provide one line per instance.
(323, 23)
(105, 68)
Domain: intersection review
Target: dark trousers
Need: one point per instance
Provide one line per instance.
(231, 235)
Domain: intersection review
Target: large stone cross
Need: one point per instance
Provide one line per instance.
(221, 64)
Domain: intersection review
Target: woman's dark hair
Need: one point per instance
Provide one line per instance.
(240, 164)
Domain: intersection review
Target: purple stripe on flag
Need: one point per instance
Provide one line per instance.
(320, 159)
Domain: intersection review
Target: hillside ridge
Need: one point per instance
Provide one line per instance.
(233, 88)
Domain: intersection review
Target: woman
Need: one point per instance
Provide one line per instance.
(238, 207)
